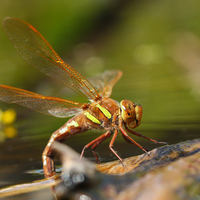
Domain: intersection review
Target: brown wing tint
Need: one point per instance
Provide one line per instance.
(33, 47)
(48, 105)
(105, 81)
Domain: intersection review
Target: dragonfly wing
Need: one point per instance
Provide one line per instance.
(48, 105)
(33, 47)
(105, 81)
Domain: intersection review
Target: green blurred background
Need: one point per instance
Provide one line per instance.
(155, 43)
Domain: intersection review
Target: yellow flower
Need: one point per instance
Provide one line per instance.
(1, 114)
(7, 130)
(8, 116)
(10, 132)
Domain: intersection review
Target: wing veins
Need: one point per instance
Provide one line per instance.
(48, 105)
(24, 36)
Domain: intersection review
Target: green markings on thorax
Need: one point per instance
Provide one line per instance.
(94, 119)
(104, 111)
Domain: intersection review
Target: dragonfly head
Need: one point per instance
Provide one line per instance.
(131, 113)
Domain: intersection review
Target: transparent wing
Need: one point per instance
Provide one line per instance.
(33, 47)
(105, 81)
(48, 105)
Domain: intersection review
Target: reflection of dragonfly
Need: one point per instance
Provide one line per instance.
(101, 113)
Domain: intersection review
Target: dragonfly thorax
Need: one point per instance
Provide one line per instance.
(131, 113)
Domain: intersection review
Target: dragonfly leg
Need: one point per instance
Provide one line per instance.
(130, 140)
(107, 135)
(95, 143)
(111, 145)
(140, 135)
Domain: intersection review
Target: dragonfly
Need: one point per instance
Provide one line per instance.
(100, 111)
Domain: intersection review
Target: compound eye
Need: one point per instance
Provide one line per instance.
(131, 113)
(127, 111)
